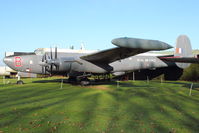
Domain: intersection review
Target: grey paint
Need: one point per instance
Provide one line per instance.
(31, 63)
(183, 49)
(139, 62)
(113, 60)
(141, 44)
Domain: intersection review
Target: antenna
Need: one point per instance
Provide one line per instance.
(71, 47)
(82, 46)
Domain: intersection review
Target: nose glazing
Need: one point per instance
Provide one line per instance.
(8, 61)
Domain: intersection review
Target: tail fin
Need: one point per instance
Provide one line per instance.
(183, 49)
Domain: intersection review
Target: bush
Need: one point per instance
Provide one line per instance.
(191, 73)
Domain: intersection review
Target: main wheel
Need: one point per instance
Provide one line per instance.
(20, 82)
(84, 82)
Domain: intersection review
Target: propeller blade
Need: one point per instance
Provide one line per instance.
(57, 66)
(51, 53)
(51, 69)
(42, 58)
(45, 69)
(45, 57)
(42, 70)
(55, 52)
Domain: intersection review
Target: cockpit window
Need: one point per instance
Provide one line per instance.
(39, 51)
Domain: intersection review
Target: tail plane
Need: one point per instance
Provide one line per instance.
(183, 55)
(183, 47)
(183, 50)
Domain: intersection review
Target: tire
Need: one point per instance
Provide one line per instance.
(20, 82)
(84, 82)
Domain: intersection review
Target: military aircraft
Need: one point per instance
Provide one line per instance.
(130, 54)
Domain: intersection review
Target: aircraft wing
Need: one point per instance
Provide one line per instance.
(111, 55)
(126, 47)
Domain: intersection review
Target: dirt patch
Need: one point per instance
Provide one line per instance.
(100, 87)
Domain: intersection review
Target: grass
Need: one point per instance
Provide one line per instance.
(135, 107)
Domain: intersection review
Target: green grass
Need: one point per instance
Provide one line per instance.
(134, 107)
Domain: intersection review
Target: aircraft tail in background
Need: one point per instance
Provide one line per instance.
(183, 55)
(183, 49)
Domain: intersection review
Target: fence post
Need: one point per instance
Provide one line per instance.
(190, 89)
(4, 82)
(118, 84)
(61, 84)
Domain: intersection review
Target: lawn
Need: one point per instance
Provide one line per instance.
(41, 106)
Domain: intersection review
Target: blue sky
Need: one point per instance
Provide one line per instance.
(26, 25)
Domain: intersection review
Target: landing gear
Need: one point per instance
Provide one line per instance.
(85, 81)
(20, 82)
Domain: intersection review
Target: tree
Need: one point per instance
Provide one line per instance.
(191, 73)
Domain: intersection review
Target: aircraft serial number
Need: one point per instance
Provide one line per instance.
(146, 60)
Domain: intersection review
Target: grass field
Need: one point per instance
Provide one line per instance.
(41, 106)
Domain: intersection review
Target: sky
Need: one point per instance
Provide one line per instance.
(26, 25)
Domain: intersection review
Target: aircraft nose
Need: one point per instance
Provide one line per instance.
(7, 60)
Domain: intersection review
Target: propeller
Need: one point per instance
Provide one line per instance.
(44, 64)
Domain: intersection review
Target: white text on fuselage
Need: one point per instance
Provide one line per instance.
(146, 60)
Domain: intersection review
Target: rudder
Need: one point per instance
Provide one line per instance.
(183, 49)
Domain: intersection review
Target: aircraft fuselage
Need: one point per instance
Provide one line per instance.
(71, 62)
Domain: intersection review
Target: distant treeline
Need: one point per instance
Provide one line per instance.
(191, 73)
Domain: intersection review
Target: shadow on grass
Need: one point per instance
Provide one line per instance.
(42, 100)
(92, 82)
(133, 108)
(187, 85)
(120, 84)
(168, 107)
(49, 81)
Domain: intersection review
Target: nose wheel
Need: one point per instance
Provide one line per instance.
(20, 82)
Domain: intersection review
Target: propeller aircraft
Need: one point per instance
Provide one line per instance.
(130, 54)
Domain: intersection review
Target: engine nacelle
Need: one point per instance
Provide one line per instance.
(65, 64)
